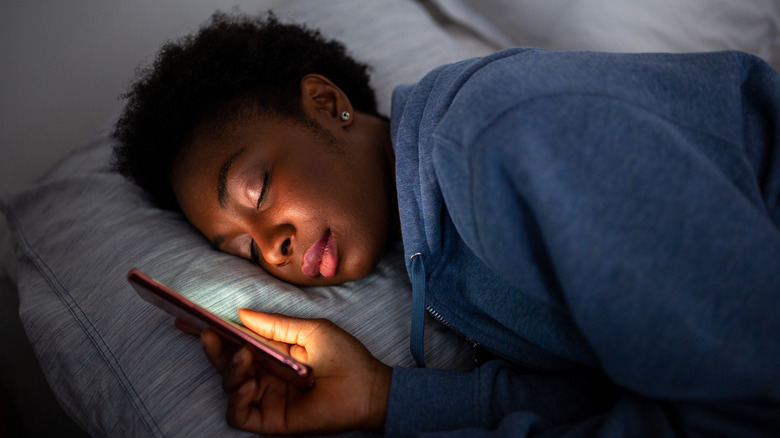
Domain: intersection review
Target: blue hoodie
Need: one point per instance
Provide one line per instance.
(606, 227)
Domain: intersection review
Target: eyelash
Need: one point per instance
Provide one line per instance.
(264, 190)
(254, 257)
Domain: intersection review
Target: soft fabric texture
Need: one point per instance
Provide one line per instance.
(751, 26)
(590, 216)
(117, 364)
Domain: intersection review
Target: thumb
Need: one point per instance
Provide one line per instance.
(280, 328)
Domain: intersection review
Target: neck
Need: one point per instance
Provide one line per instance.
(380, 131)
(395, 222)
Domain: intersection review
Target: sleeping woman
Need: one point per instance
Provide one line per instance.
(604, 228)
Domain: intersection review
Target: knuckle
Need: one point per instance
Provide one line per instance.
(325, 323)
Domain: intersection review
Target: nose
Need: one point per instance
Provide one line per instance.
(275, 244)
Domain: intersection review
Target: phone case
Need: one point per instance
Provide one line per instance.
(236, 336)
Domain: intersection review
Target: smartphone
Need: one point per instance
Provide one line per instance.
(236, 336)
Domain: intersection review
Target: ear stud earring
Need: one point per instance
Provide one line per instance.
(345, 116)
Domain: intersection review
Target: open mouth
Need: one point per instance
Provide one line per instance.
(321, 258)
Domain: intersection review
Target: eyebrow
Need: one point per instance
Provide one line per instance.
(222, 193)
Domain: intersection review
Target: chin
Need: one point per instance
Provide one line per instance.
(352, 269)
(351, 272)
(302, 280)
(362, 268)
(347, 276)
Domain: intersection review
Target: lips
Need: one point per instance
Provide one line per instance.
(321, 258)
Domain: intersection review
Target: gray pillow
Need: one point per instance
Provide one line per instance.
(117, 364)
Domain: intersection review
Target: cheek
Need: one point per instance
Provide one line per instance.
(238, 247)
(317, 194)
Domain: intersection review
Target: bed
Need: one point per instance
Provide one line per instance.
(86, 355)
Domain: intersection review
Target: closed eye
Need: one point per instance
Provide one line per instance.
(254, 255)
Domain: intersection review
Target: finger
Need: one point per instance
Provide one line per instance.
(240, 413)
(277, 327)
(212, 346)
(237, 371)
(183, 326)
(261, 406)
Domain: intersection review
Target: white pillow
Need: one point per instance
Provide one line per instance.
(752, 26)
(116, 364)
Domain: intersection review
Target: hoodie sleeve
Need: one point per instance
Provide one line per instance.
(657, 235)
(438, 400)
(658, 224)
(496, 400)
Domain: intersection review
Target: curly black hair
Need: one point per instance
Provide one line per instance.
(233, 62)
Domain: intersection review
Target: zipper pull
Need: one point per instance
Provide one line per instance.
(417, 338)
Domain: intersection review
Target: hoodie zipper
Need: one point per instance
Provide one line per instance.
(420, 307)
(478, 350)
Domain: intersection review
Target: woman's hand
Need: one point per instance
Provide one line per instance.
(350, 390)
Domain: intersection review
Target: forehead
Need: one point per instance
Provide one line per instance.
(209, 145)
(195, 171)
(214, 146)
(216, 140)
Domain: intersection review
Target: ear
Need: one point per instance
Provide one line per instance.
(324, 101)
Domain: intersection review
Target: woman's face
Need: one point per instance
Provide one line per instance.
(312, 205)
